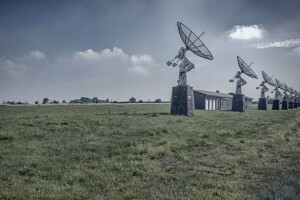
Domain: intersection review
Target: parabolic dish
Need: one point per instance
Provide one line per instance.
(268, 79)
(278, 83)
(192, 42)
(287, 88)
(246, 69)
(282, 86)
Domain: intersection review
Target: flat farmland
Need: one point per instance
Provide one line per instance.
(142, 152)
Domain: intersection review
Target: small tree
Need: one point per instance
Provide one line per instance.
(95, 100)
(140, 101)
(157, 100)
(64, 101)
(36, 102)
(45, 100)
(132, 100)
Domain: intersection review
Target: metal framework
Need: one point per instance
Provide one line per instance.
(268, 79)
(245, 68)
(193, 42)
(278, 83)
(283, 87)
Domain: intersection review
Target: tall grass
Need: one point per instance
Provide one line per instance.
(141, 152)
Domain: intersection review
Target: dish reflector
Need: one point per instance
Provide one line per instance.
(286, 88)
(268, 79)
(245, 68)
(192, 42)
(278, 83)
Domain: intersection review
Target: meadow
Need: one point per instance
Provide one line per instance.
(142, 152)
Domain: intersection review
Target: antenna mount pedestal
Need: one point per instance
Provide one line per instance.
(238, 103)
(295, 104)
(291, 105)
(262, 104)
(284, 105)
(276, 104)
(182, 102)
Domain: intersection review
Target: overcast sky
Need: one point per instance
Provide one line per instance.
(117, 49)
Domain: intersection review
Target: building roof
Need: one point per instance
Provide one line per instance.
(246, 97)
(219, 94)
(215, 94)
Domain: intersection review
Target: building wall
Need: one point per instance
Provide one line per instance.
(217, 103)
(199, 101)
(226, 104)
(204, 102)
(248, 103)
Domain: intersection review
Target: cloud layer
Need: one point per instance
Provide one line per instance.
(135, 64)
(246, 32)
(284, 43)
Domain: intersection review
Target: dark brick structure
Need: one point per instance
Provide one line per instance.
(262, 104)
(291, 105)
(284, 105)
(295, 104)
(238, 103)
(276, 104)
(183, 102)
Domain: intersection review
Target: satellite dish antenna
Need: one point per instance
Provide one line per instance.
(268, 79)
(292, 91)
(276, 90)
(244, 68)
(285, 88)
(192, 43)
(264, 89)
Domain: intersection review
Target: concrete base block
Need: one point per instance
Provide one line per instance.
(262, 104)
(183, 101)
(275, 105)
(284, 105)
(238, 103)
(291, 105)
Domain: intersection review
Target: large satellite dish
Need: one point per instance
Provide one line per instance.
(193, 42)
(289, 90)
(283, 86)
(286, 88)
(268, 79)
(278, 83)
(245, 68)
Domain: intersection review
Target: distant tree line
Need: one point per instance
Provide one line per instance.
(88, 100)
(84, 100)
(14, 102)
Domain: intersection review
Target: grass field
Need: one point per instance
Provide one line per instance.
(141, 152)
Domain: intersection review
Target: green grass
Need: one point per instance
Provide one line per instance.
(141, 152)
